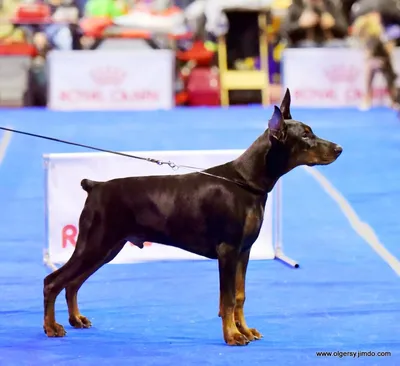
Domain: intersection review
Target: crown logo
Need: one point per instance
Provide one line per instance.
(342, 74)
(108, 75)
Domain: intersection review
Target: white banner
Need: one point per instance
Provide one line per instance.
(329, 77)
(65, 199)
(111, 80)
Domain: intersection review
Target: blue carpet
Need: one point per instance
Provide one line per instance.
(343, 298)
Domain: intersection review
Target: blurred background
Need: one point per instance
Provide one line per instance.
(204, 39)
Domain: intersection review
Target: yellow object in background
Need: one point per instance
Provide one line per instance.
(7, 10)
(367, 25)
(277, 52)
(246, 64)
(210, 46)
(280, 4)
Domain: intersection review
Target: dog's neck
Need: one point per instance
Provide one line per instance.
(263, 163)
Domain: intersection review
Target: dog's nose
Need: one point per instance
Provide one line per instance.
(338, 150)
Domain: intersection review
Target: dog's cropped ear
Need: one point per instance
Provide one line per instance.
(276, 125)
(285, 105)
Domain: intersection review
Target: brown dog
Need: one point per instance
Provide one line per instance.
(216, 214)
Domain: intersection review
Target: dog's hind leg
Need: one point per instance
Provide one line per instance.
(93, 246)
(250, 333)
(79, 262)
(76, 319)
(52, 286)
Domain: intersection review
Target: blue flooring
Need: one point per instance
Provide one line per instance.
(343, 298)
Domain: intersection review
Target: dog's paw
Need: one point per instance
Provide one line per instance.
(54, 330)
(253, 334)
(237, 339)
(80, 322)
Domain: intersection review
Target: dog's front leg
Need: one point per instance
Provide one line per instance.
(250, 333)
(227, 262)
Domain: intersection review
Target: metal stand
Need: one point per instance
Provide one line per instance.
(279, 255)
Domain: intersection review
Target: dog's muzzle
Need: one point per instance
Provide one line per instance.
(338, 150)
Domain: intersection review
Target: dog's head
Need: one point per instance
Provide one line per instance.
(297, 141)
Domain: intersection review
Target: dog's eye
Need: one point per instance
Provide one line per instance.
(306, 135)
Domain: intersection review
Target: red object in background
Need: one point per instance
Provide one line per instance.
(197, 53)
(203, 87)
(181, 98)
(32, 14)
(94, 26)
(201, 83)
(18, 49)
(97, 27)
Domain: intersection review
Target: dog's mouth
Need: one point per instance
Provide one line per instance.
(325, 155)
(325, 159)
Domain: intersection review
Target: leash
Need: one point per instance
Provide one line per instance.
(171, 164)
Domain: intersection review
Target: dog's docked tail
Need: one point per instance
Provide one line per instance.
(88, 185)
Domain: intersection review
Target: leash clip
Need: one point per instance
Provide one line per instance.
(172, 165)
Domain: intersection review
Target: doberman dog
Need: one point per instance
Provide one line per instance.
(216, 213)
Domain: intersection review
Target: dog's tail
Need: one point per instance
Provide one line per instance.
(88, 185)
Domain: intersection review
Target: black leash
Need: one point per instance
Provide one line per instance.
(159, 162)
(150, 160)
